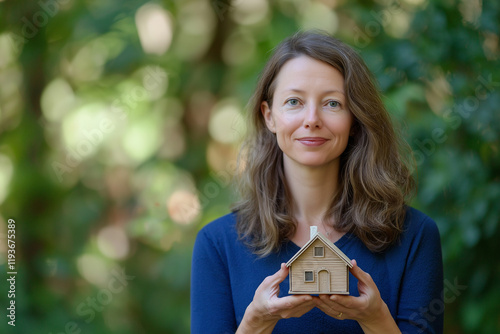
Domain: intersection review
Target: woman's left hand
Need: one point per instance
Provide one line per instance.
(368, 309)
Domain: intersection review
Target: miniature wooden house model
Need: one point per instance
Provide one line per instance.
(319, 267)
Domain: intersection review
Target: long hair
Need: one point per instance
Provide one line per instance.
(374, 178)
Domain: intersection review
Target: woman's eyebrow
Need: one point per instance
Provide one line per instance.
(295, 90)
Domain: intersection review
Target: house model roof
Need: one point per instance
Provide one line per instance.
(327, 243)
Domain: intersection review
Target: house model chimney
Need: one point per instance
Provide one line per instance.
(314, 231)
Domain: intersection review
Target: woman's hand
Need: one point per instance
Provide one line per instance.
(368, 309)
(266, 308)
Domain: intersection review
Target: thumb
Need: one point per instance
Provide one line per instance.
(362, 276)
(280, 275)
(357, 272)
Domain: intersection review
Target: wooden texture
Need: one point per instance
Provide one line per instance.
(330, 272)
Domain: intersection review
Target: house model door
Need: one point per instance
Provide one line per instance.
(324, 281)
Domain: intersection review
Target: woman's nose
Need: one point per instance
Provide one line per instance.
(312, 118)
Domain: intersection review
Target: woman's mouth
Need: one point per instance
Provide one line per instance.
(312, 141)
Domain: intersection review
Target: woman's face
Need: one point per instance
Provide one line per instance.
(309, 115)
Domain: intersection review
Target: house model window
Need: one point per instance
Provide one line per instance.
(319, 251)
(308, 276)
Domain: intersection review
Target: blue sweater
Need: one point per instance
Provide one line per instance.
(225, 275)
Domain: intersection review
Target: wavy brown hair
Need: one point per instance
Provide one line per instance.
(374, 177)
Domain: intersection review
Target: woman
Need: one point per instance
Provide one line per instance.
(323, 152)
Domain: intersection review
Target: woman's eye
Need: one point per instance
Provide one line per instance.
(333, 104)
(293, 102)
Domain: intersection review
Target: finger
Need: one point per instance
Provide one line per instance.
(361, 275)
(345, 302)
(326, 301)
(278, 276)
(326, 305)
(297, 299)
(292, 302)
(298, 310)
(281, 274)
(322, 301)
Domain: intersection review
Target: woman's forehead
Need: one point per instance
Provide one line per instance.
(304, 73)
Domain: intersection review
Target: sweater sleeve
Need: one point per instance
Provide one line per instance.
(421, 304)
(212, 308)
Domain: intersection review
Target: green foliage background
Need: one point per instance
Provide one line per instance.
(102, 168)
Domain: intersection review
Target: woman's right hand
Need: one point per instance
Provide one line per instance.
(267, 308)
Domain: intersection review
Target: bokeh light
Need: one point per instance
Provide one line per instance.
(85, 129)
(155, 28)
(8, 52)
(438, 93)
(249, 12)
(398, 23)
(221, 156)
(196, 29)
(57, 99)
(142, 137)
(183, 207)
(6, 172)
(239, 48)
(3, 241)
(113, 242)
(93, 268)
(227, 125)
(317, 15)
